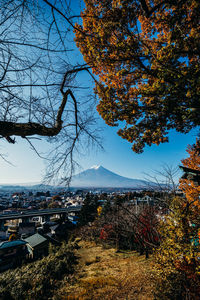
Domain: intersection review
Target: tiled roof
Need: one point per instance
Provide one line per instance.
(35, 239)
(8, 244)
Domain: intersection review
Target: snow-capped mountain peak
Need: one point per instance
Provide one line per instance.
(98, 176)
(95, 167)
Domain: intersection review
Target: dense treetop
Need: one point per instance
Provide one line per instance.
(146, 56)
(190, 188)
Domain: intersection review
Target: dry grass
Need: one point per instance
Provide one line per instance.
(104, 274)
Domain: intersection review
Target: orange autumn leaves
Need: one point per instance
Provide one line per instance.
(177, 258)
(147, 62)
(190, 188)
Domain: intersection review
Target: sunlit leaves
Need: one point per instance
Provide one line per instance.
(189, 187)
(178, 256)
(147, 62)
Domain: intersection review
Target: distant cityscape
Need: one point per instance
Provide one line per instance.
(32, 217)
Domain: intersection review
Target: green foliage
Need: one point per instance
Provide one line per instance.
(40, 279)
(178, 267)
(88, 211)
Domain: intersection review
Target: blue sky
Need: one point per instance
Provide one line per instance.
(117, 156)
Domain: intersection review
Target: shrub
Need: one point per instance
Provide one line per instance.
(38, 280)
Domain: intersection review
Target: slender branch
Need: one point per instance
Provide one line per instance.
(32, 146)
(32, 45)
(5, 69)
(64, 16)
(7, 161)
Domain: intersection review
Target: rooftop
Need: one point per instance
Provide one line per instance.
(7, 244)
(35, 239)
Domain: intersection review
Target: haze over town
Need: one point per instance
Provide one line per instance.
(27, 167)
(99, 149)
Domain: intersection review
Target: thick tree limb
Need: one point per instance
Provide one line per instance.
(8, 129)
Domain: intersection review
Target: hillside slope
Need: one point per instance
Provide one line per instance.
(104, 274)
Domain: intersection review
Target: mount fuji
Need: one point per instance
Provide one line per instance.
(99, 177)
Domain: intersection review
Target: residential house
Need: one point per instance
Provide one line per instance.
(37, 245)
(12, 253)
(61, 231)
(26, 228)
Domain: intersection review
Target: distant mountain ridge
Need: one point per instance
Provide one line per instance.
(25, 186)
(95, 177)
(100, 177)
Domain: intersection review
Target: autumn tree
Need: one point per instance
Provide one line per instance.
(38, 82)
(178, 256)
(146, 56)
(127, 226)
(57, 198)
(191, 188)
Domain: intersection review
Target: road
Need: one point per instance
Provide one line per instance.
(41, 212)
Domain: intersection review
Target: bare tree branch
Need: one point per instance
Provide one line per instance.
(38, 83)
